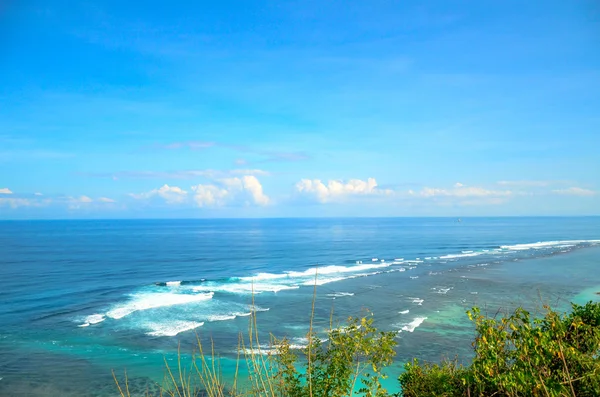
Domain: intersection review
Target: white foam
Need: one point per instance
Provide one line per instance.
(463, 255)
(95, 318)
(274, 282)
(336, 269)
(548, 244)
(404, 311)
(173, 283)
(410, 327)
(172, 328)
(222, 317)
(153, 300)
(418, 301)
(340, 294)
(243, 288)
(258, 308)
(322, 281)
(413, 277)
(92, 319)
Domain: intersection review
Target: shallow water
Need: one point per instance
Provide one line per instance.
(80, 298)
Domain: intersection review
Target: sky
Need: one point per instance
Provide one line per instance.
(185, 109)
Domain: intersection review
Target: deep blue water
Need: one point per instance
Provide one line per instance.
(79, 298)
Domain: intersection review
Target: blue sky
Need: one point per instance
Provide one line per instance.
(113, 109)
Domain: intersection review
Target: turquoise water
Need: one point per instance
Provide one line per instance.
(80, 298)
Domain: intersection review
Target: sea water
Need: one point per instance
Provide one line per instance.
(81, 298)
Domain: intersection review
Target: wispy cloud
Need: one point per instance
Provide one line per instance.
(176, 174)
(524, 183)
(106, 200)
(267, 155)
(192, 145)
(32, 154)
(284, 156)
(16, 202)
(5, 190)
(461, 191)
(575, 191)
(170, 194)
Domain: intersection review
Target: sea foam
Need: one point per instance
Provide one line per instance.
(153, 300)
(410, 327)
(172, 328)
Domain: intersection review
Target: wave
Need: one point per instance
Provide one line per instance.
(222, 317)
(180, 293)
(441, 290)
(340, 294)
(549, 244)
(92, 319)
(404, 311)
(153, 300)
(178, 283)
(410, 327)
(462, 255)
(275, 282)
(172, 328)
(242, 288)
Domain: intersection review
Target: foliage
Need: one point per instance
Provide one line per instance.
(557, 355)
(333, 367)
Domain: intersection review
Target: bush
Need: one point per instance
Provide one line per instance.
(357, 352)
(557, 355)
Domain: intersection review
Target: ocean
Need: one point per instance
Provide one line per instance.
(81, 298)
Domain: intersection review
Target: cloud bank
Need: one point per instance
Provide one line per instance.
(235, 191)
(337, 190)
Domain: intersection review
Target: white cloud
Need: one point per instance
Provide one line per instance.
(5, 191)
(255, 172)
(575, 191)
(529, 183)
(336, 190)
(177, 174)
(75, 203)
(246, 189)
(210, 195)
(171, 194)
(37, 194)
(17, 202)
(105, 200)
(461, 191)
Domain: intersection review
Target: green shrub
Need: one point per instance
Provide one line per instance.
(355, 353)
(557, 355)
